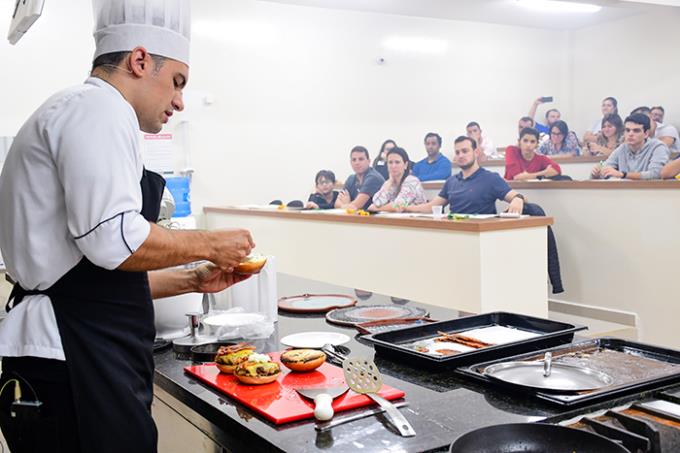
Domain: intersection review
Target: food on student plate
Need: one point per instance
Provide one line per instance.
(258, 369)
(363, 213)
(456, 216)
(229, 356)
(303, 359)
(350, 211)
(251, 264)
(281, 207)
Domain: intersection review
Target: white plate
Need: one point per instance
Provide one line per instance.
(314, 340)
(233, 319)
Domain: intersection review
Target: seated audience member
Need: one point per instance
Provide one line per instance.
(380, 162)
(563, 142)
(474, 131)
(609, 137)
(551, 116)
(658, 113)
(609, 106)
(671, 169)
(474, 190)
(435, 166)
(639, 157)
(525, 121)
(401, 189)
(667, 133)
(362, 185)
(324, 197)
(524, 162)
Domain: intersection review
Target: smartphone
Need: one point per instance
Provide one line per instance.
(547, 99)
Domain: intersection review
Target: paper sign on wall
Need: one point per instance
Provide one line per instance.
(157, 152)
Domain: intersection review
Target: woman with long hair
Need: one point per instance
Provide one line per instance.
(401, 188)
(610, 106)
(562, 143)
(380, 162)
(609, 137)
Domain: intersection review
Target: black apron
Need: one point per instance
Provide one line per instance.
(106, 323)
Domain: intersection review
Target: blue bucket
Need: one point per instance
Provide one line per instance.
(180, 190)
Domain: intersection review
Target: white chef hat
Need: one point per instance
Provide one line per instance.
(161, 26)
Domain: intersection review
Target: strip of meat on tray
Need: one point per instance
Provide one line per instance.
(461, 339)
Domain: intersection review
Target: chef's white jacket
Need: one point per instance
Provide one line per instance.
(69, 188)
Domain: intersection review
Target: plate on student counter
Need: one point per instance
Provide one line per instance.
(314, 340)
(315, 303)
(355, 315)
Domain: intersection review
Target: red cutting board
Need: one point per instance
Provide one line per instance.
(278, 401)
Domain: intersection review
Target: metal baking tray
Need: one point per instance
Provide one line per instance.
(393, 344)
(643, 367)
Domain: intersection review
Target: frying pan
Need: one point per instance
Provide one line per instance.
(533, 438)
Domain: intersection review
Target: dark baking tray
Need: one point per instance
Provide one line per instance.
(639, 350)
(390, 344)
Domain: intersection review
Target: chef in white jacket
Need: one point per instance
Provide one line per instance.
(78, 234)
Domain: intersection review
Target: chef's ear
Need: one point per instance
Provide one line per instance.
(139, 61)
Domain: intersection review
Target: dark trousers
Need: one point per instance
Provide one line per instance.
(55, 428)
(553, 258)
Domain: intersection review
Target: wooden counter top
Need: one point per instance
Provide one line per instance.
(477, 226)
(590, 184)
(566, 160)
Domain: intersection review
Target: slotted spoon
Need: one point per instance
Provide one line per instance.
(362, 376)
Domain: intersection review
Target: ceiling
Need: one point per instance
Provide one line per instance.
(495, 11)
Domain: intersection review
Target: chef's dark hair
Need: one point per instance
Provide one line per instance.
(107, 61)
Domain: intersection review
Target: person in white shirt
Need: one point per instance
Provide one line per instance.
(666, 133)
(658, 113)
(78, 236)
(610, 106)
(474, 131)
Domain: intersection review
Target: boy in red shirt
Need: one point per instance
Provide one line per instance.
(524, 162)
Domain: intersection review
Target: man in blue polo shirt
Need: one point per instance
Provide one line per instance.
(435, 166)
(474, 190)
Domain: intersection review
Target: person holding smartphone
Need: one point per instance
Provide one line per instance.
(551, 115)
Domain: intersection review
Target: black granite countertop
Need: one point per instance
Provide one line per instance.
(441, 407)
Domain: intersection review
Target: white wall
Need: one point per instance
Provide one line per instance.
(55, 54)
(635, 60)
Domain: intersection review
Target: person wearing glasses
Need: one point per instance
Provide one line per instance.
(563, 143)
(639, 157)
(324, 197)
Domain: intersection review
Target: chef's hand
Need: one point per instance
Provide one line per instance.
(230, 247)
(208, 278)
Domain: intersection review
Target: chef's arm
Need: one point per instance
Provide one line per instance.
(165, 248)
(206, 278)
